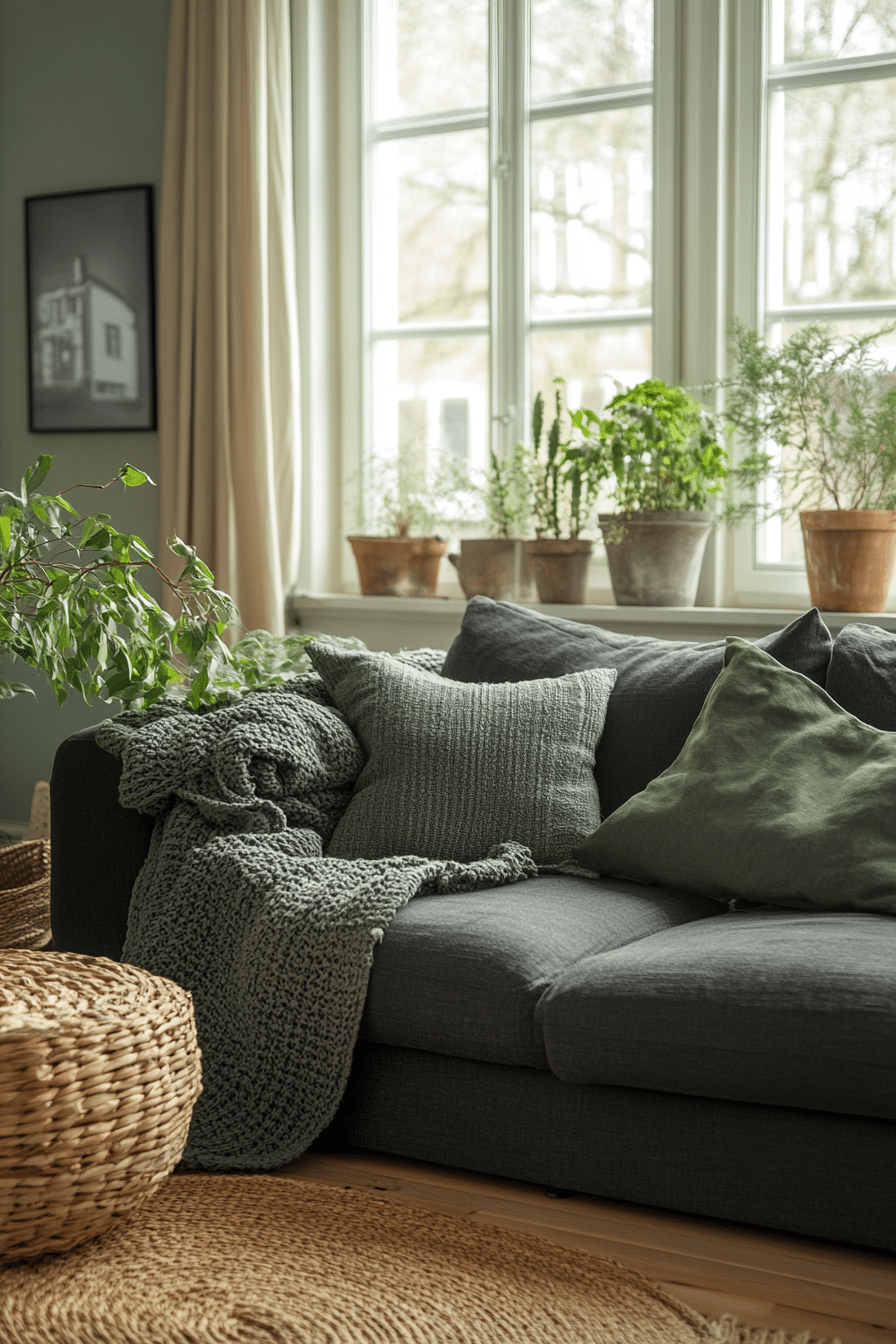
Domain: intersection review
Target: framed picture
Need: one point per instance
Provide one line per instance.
(91, 311)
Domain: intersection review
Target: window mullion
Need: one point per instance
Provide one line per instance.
(666, 286)
(509, 240)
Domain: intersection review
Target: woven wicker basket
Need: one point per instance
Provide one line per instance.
(25, 894)
(99, 1072)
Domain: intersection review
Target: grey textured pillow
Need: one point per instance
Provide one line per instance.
(661, 688)
(452, 770)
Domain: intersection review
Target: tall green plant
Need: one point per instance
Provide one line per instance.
(817, 415)
(561, 474)
(72, 606)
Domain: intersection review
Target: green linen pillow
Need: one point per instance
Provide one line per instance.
(453, 769)
(778, 796)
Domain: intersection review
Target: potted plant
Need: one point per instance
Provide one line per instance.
(659, 447)
(818, 418)
(497, 566)
(72, 606)
(562, 483)
(410, 497)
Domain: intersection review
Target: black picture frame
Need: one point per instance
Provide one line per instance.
(89, 259)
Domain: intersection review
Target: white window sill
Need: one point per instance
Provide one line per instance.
(389, 624)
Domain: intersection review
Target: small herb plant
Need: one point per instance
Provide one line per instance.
(409, 496)
(658, 445)
(561, 474)
(506, 494)
(72, 606)
(817, 416)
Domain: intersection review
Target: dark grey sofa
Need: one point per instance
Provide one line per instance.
(733, 1060)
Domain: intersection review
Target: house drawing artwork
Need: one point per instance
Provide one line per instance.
(86, 339)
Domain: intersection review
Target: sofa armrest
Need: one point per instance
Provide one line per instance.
(98, 848)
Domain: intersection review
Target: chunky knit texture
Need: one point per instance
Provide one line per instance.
(236, 903)
(453, 769)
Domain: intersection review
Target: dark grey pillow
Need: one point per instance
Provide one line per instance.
(862, 674)
(659, 691)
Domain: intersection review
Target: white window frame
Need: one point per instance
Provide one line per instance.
(709, 109)
(754, 583)
(508, 149)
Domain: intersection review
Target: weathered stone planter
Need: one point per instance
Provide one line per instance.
(496, 567)
(657, 561)
(560, 568)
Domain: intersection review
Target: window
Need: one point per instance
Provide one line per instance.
(830, 185)
(509, 190)
(593, 189)
(113, 340)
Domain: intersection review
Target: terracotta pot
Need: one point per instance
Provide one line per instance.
(398, 566)
(850, 557)
(496, 567)
(657, 562)
(560, 568)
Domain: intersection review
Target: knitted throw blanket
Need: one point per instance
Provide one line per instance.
(237, 903)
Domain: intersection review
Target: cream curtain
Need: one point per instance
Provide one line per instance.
(228, 333)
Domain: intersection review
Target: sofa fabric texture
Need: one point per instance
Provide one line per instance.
(808, 1172)
(659, 691)
(464, 976)
(778, 796)
(493, 763)
(775, 1006)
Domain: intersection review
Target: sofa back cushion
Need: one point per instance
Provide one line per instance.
(660, 687)
(452, 770)
(862, 674)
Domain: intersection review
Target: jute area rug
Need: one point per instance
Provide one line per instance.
(217, 1259)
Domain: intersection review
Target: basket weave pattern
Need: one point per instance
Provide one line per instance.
(25, 894)
(99, 1073)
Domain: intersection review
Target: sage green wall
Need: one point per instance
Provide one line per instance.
(82, 91)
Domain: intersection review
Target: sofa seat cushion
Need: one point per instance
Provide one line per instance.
(462, 974)
(789, 1008)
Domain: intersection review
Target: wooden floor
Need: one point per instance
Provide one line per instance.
(762, 1278)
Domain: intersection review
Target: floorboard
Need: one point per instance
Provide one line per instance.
(763, 1278)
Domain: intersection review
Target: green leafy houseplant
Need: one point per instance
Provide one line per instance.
(817, 416)
(405, 499)
(72, 606)
(658, 445)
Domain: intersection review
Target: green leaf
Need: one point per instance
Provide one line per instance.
(36, 475)
(133, 476)
(117, 682)
(198, 688)
(5, 533)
